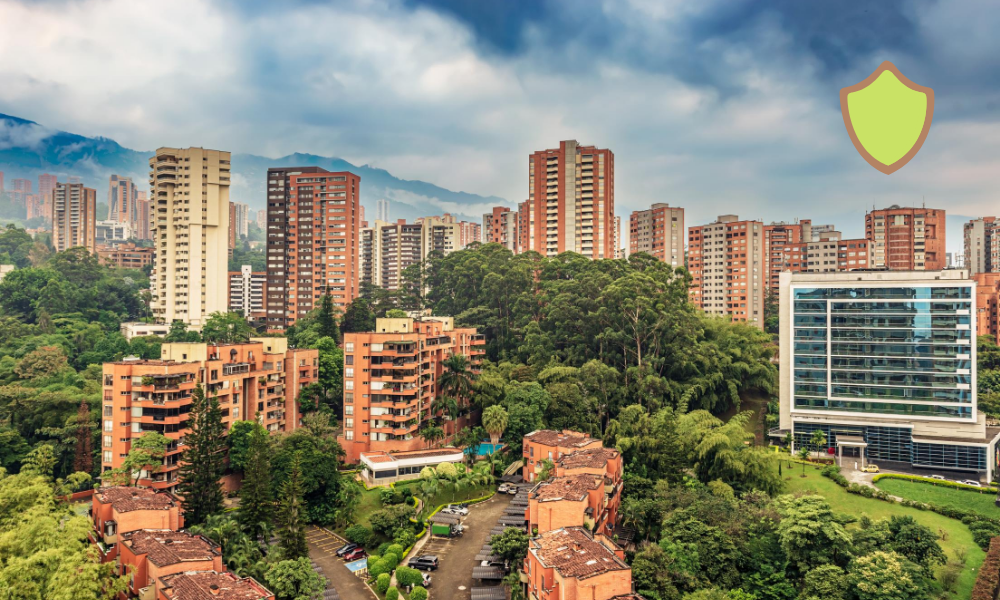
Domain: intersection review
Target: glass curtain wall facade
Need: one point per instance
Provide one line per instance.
(902, 351)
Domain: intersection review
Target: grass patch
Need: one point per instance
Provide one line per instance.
(980, 502)
(954, 533)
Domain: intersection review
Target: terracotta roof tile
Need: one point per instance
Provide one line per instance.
(165, 547)
(563, 439)
(574, 553)
(571, 487)
(197, 585)
(592, 458)
(127, 499)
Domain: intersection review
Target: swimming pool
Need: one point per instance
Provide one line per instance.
(484, 449)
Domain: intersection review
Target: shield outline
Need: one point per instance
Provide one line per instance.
(887, 66)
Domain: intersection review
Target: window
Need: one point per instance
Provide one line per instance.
(349, 385)
(348, 410)
(107, 441)
(349, 435)
(108, 456)
(109, 425)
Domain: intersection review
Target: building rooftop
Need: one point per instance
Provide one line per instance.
(573, 487)
(958, 276)
(574, 553)
(591, 458)
(388, 457)
(565, 438)
(127, 499)
(212, 585)
(166, 547)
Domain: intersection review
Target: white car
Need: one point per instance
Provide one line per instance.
(455, 509)
(971, 482)
(938, 477)
(504, 488)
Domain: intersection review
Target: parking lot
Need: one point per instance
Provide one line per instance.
(453, 579)
(322, 550)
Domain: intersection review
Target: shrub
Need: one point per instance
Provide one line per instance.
(412, 501)
(383, 548)
(988, 580)
(404, 537)
(405, 576)
(397, 550)
(359, 534)
(392, 594)
(387, 495)
(382, 582)
(378, 566)
(391, 560)
(937, 482)
(418, 593)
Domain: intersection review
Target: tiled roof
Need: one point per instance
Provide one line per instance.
(165, 547)
(377, 457)
(198, 585)
(574, 553)
(592, 458)
(572, 487)
(127, 499)
(563, 439)
(632, 596)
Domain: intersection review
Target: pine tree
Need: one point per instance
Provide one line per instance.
(256, 499)
(291, 513)
(204, 460)
(327, 321)
(84, 459)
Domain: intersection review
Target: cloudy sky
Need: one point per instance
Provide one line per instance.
(719, 106)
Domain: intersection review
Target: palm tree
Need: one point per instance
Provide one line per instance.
(456, 380)
(431, 434)
(818, 439)
(445, 405)
(495, 422)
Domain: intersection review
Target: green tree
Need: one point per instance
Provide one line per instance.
(179, 333)
(511, 545)
(256, 499)
(456, 379)
(226, 328)
(291, 513)
(495, 422)
(146, 454)
(825, 582)
(327, 320)
(811, 534)
(294, 579)
(203, 464)
(359, 316)
(239, 439)
(83, 461)
(431, 435)
(886, 576)
(418, 593)
(818, 439)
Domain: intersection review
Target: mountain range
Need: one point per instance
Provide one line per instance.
(28, 149)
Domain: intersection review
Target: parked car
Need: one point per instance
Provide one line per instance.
(512, 490)
(455, 509)
(426, 562)
(870, 469)
(427, 580)
(938, 477)
(971, 482)
(346, 549)
(356, 554)
(505, 488)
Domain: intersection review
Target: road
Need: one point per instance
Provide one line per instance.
(322, 549)
(453, 579)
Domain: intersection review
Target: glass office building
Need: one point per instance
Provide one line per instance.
(887, 358)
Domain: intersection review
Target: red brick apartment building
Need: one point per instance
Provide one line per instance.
(659, 231)
(260, 379)
(148, 555)
(573, 564)
(906, 239)
(390, 381)
(571, 201)
(126, 256)
(117, 510)
(211, 585)
(987, 305)
(551, 445)
(501, 227)
(726, 262)
(313, 236)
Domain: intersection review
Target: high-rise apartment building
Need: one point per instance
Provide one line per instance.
(390, 377)
(658, 231)
(123, 199)
(571, 201)
(382, 210)
(141, 225)
(726, 262)
(46, 191)
(982, 245)
(785, 248)
(247, 290)
(189, 227)
(619, 249)
(884, 364)
(988, 305)
(906, 239)
(500, 227)
(34, 207)
(241, 222)
(313, 237)
(262, 219)
(260, 379)
(449, 234)
(74, 212)
(388, 249)
(22, 189)
(231, 237)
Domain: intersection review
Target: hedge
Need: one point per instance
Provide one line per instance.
(983, 528)
(988, 580)
(938, 482)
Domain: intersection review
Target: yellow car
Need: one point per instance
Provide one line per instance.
(871, 469)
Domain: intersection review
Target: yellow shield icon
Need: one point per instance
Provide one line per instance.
(888, 117)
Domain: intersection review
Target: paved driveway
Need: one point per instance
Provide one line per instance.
(458, 555)
(322, 550)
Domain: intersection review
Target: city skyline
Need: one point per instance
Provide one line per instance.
(740, 120)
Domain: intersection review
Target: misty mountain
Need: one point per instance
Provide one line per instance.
(28, 149)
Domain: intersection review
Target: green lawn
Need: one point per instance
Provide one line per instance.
(981, 502)
(371, 500)
(954, 533)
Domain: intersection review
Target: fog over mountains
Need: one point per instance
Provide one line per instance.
(28, 149)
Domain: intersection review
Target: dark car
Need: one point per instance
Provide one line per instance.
(427, 562)
(356, 554)
(346, 549)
